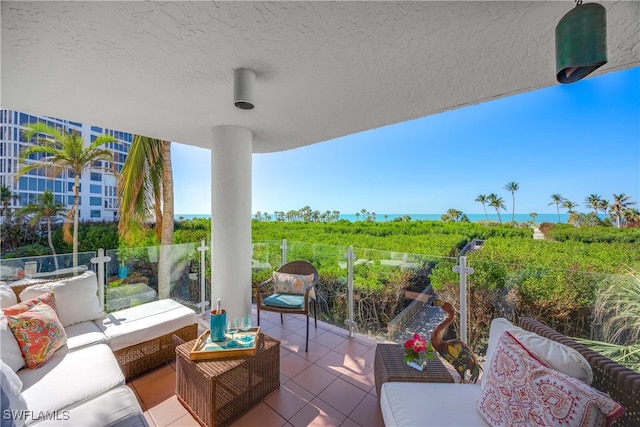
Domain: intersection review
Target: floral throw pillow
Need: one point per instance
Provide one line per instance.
(285, 283)
(46, 298)
(520, 390)
(39, 333)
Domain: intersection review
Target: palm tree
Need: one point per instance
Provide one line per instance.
(569, 206)
(513, 187)
(63, 151)
(533, 216)
(497, 203)
(47, 209)
(631, 217)
(593, 201)
(620, 203)
(557, 199)
(482, 198)
(5, 200)
(146, 193)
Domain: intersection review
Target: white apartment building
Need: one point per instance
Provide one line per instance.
(97, 186)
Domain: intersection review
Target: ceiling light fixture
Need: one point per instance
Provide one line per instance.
(243, 83)
(581, 42)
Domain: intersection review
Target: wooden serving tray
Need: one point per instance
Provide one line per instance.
(205, 349)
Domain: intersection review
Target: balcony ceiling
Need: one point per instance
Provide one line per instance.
(324, 69)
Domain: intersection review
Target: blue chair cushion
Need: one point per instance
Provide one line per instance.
(285, 301)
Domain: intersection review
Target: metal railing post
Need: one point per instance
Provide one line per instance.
(203, 304)
(351, 324)
(464, 271)
(100, 260)
(284, 251)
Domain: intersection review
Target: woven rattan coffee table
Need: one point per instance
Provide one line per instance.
(389, 366)
(218, 391)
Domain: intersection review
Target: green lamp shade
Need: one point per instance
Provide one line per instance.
(581, 42)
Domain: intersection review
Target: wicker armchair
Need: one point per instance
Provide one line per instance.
(290, 291)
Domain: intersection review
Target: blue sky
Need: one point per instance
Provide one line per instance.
(574, 140)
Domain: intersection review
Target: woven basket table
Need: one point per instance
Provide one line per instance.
(389, 366)
(218, 391)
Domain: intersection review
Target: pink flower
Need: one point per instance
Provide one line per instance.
(417, 347)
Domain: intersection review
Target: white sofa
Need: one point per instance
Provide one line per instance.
(434, 404)
(82, 383)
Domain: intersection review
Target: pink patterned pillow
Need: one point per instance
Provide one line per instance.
(46, 298)
(39, 333)
(521, 390)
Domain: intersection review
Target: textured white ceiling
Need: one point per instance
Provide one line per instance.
(324, 69)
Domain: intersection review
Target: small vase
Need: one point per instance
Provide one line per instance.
(418, 364)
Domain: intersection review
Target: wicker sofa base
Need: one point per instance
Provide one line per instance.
(139, 358)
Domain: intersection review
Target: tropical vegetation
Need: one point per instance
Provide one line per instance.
(59, 151)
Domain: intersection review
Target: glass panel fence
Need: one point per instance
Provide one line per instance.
(392, 293)
(41, 268)
(138, 275)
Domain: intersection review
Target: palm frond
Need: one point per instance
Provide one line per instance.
(627, 355)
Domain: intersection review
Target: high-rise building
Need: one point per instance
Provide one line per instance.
(97, 185)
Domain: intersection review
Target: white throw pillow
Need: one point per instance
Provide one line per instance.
(10, 350)
(7, 296)
(12, 401)
(76, 298)
(558, 356)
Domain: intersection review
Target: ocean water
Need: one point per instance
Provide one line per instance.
(548, 217)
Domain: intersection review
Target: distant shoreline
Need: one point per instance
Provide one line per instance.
(540, 218)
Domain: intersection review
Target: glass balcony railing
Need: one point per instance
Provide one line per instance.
(382, 294)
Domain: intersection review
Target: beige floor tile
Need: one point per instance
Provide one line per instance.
(151, 375)
(362, 378)
(262, 416)
(186, 421)
(368, 413)
(318, 414)
(289, 399)
(293, 364)
(330, 339)
(343, 396)
(166, 412)
(158, 390)
(314, 379)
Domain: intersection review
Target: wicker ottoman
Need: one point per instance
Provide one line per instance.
(218, 391)
(389, 366)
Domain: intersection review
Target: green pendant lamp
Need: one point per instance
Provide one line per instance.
(581, 42)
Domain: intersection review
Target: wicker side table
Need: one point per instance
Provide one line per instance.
(389, 366)
(218, 391)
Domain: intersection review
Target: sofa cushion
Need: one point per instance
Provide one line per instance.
(76, 297)
(558, 356)
(83, 334)
(521, 390)
(406, 404)
(39, 334)
(7, 296)
(9, 348)
(145, 322)
(117, 407)
(70, 377)
(12, 401)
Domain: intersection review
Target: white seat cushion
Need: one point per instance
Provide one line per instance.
(9, 347)
(83, 334)
(406, 404)
(145, 322)
(69, 377)
(117, 407)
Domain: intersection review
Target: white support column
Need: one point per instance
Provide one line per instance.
(231, 218)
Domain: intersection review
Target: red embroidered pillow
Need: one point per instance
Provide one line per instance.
(39, 333)
(520, 390)
(46, 298)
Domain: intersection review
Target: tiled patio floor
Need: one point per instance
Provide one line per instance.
(331, 385)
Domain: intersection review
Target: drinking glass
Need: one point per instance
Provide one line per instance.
(232, 328)
(245, 325)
